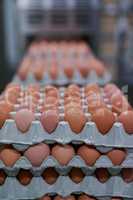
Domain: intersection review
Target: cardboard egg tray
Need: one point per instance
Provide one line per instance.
(76, 161)
(63, 80)
(64, 186)
(116, 137)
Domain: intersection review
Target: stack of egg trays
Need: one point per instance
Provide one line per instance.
(115, 186)
(63, 80)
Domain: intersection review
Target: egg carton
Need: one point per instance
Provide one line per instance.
(64, 186)
(76, 161)
(116, 137)
(63, 80)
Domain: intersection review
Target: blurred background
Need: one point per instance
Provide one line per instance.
(106, 25)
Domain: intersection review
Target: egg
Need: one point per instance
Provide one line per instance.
(51, 100)
(74, 87)
(88, 154)
(76, 119)
(2, 177)
(85, 197)
(24, 177)
(102, 175)
(126, 119)
(45, 198)
(5, 109)
(23, 72)
(9, 156)
(92, 87)
(71, 197)
(50, 175)
(51, 91)
(69, 71)
(76, 175)
(117, 156)
(38, 71)
(47, 117)
(84, 70)
(104, 119)
(23, 119)
(58, 152)
(95, 104)
(127, 175)
(37, 154)
(53, 71)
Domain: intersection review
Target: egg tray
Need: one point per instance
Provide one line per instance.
(116, 137)
(76, 161)
(63, 80)
(115, 186)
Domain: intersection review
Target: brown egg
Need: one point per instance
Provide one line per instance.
(97, 66)
(50, 175)
(37, 154)
(92, 87)
(116, 198)
(76, 119)
(53, 71)
(127, 175)
(9, 156)
(85, 197)
(74, 87)
(126, 119)
(71, 197)
(58, 152)
(94, 105)
(84, 70)
(76, 175)
(23, 119)
(51, 91)
(88, 154)
(45, 198)
(117, 156)
(5, 109)
(38, 71)
(47, 107)
(2, 177)
(47, 117)
(24, 177)
(23, 72)
(72, 93)
(69, 71)
(104, 119)
(51, 100)
(102, 175)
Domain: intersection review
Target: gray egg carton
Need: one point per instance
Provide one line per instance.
(64, 186)
(77, 161)
(116, 137)
(63, 80)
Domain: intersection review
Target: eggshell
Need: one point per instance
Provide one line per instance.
(51, 91)
(117, 156)
(24, 177)
(2, 177)
(102, 175)
(94, 105)
(49, 120)
(104, 120)
(76, 119)
(126, 119)
(51, 100)
(127, 175)
(50, 175)
(76, 175)
(9, 156)
(85, 197)
(74, 87)
(64, 198)
(23, 119)
(69, 71)
(5, 109)
(37, 154)
(88, 154)
(45, 198)
(58, 152)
